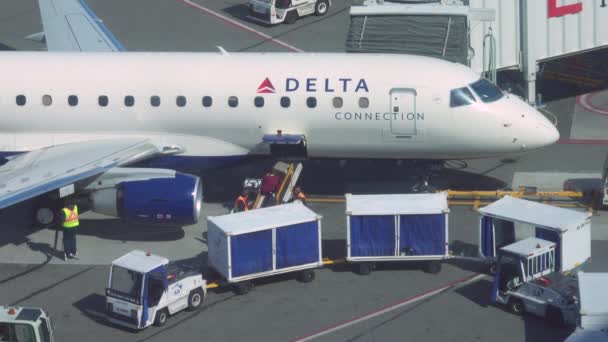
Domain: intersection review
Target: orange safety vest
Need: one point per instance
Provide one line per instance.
(71, 218)
(242, 200)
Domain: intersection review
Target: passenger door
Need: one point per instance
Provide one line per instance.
(403, 112)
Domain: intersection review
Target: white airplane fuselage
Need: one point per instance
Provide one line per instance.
(408, 116)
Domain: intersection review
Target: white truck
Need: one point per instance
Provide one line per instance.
(273, 12)
(18, 324)
(526, 281)
(144, 289)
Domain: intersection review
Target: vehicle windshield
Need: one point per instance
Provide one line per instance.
(43, 331)
(461, 97)
(282, 4)
(486, 91)
(126, 281)
(17, 332)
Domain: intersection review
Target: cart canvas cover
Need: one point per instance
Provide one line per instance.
(569, 229)
(264, 240)
(397, 225)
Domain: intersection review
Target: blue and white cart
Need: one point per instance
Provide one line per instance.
(265, 242)
(412, 227)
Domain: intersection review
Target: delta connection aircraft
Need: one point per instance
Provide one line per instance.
(74, 122)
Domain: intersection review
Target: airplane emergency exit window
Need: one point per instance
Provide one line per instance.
(258, 101)
(20, 99)
(129, 101)
(311, 102)
(363, 102)
(233, 101)
(461, 97)
(73, 100)
(180, 101)
(207, 101)
(285, 102)
(103, 101)
(337, 102)
(487, 91)
(155, 101)
(47, 100)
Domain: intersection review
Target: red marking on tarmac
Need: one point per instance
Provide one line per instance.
(584, 101)
(387, 308)
(236, 24)
(583, 142)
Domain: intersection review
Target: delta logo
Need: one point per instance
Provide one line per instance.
(313, 85)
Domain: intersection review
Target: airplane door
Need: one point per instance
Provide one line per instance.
(403, 110)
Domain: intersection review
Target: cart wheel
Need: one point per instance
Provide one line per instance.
(321, 7)
(195, 300)
(432, 267)
(161, 317)
(291, 17)
(555, 316)
(516, 306)
(365, 268)
(242, 287)
(306, 276)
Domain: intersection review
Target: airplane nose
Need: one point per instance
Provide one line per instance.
(545, 134)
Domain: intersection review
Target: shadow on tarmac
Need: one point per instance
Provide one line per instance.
(4, 47)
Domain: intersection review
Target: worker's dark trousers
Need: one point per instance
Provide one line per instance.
(69, 241)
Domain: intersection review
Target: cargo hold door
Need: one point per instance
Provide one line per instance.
(403, 112)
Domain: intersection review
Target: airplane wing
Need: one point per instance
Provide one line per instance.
(70, 25)
(59, 167)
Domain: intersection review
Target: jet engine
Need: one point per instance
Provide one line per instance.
(167, 201)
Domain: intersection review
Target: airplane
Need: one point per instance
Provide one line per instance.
(77, 123)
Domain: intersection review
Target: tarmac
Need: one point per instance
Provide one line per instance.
(282, 309)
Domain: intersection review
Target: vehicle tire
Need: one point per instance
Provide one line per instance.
(516, 306)
(432, 267)
(306, 276)
(161, 317)
(321, 7)
(291, 17)
(242, 288)
(195, 300)
(364, 268)
(554, 316)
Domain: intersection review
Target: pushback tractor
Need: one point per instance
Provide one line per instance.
(144, 289)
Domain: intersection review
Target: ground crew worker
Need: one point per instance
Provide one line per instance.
(298, 195)
(69, 219)
(242, 202)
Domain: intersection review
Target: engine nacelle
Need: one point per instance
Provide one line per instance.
(166, 201)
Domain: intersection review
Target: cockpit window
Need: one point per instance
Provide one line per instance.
(486, 91)
(461, 97)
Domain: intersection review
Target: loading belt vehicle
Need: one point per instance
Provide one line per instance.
(18, 324)
(144, 289)
(526, 281)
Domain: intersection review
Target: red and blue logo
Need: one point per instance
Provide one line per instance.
(313, 85)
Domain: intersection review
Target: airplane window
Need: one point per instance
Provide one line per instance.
(233, 101)
(20, 100)
(180, 101)
(363, 102)
(47, 100)
(207, 101)
(103, 101)
(487, 91)
(461, 97)
(73, 100)
(311, 102)
(285, 102)
(129, 101)
(154, 101)
(337, 101)
(258, 101)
